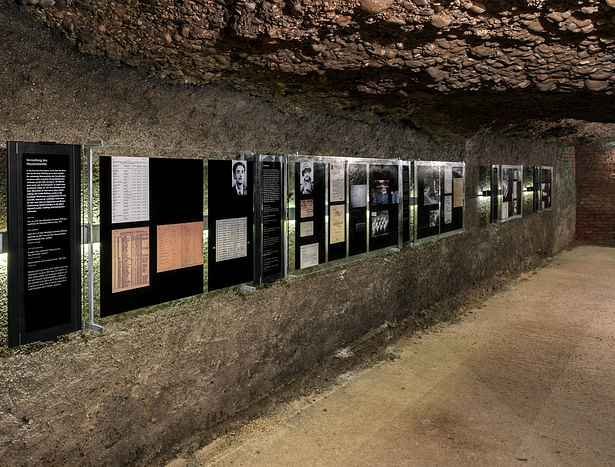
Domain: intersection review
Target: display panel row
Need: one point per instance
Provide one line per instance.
(171, 227)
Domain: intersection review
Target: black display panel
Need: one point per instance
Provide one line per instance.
(536, 189)
(44, 293)
(231, 223)
(546, 187)
(383, 206)
(151, 231)
(309, 214)
(451, 210)
(269, 265)
(337, 211)
(512, 193)
(357, 229)
(495, 192)
(406, 190)
(428, 199)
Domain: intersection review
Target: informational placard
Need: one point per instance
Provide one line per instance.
(268, 213)
(231, 223)
(43, 212)
(150, 259)
(357, 228)
(310, 204)
(406, 193)
(131, 258)
(231, 239)
(495, 193)
(179, 246)
(383, 205)
(546, 187)
(129, 189)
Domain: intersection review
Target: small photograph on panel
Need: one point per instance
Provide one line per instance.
(239, 179)
(431, 191)
(380, 223)
(434, 217)
(306, 187)
(380, 192)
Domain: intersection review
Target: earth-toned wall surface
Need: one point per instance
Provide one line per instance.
(156, 379)
(449, 67)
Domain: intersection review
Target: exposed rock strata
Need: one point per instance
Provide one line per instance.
(373, 54)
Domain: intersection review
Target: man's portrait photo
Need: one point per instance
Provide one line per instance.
(307, 172)
(240, 183)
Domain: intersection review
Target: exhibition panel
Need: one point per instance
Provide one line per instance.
(44, 276)
(231, 223)
(309, 209)
(357, 231)
(384, 205)
(511, 200)
(440, 198)
(259, 220)
(269, 219)
(151, 231)
(546, 184)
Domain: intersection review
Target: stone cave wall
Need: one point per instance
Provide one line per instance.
(155, 379)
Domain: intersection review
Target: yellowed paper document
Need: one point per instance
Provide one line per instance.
(130, 258)
(179, 246)
(337, 223)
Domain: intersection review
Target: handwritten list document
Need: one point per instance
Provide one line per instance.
(231, 238)
(179, 246)
(129, 189)
(130, 259)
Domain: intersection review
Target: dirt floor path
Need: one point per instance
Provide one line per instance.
(528, 378)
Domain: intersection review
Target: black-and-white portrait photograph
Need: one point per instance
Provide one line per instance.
(431, 190)
(434, 217)
(306, 170)
(239, 179)
(380, 223)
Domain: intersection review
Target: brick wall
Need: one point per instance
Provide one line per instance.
(595, 183)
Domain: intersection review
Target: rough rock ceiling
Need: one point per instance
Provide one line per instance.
(450, 67)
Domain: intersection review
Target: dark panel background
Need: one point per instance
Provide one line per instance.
(391, 173)
(318, 195)
(224, 206)
(45, 313)
(422, 213)
(175, 196)
(338, 250)
(457, 222)
(357, 232)
(406, 203)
